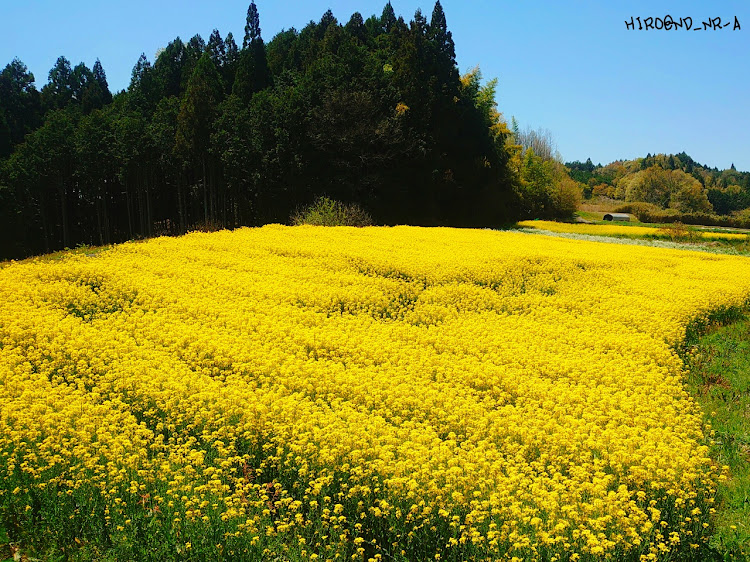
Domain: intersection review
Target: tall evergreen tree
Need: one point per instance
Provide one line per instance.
(17, 73)
(93, 144)
(355, 21)
(138, 74)
(6, 143)
(439, 33)
(132, 155)
(195, 122)
(196, 46)
(283, 53)
(356, 26)
(142, 86)
(92, 96)
(82, 83)
(420, 22)
(194, 50)
(58, 91)
(20, 105)
(217, 48)
(325, 22)
(204, 93)
(388, 18)
(253, 74)
(168, 69)
(231, 58)
(162, 134)
(252, 26)
(101, 80)
(230, 48)
(55, 146)
(27, 200)
(515, 129)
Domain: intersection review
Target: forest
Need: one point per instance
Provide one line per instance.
(226, 133)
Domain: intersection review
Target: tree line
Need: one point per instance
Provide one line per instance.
(214, 134)
(667, 181)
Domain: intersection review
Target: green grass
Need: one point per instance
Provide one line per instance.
(6, 553)
(719, 378)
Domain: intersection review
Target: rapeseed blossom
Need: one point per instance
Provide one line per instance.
(340, 393)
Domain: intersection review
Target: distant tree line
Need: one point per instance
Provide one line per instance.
(216, 134)
(668, 181)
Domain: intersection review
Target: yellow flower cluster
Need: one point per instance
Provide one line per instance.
(340, 393)
(621, 230)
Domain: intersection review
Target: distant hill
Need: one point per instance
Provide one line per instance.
(668, 180)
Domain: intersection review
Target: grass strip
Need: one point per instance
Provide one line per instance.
(719, 379)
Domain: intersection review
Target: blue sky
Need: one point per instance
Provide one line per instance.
(603, 91)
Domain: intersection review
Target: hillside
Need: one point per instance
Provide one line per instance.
(673, 181)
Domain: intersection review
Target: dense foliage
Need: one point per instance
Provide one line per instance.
(215, 134)
(358, 393)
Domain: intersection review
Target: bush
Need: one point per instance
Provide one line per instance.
(678, 232)
(566, 198)
(206, 226)
(327, 212)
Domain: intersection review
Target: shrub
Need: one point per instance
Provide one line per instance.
(566, 198)
(206, 226)
(741, 218)
(328, 212)
(678, 232)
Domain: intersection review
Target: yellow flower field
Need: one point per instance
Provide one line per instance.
(298, 393)
(621, 230)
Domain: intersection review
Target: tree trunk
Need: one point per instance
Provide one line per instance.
(180, 210)
(64, 210)
(99, 219)
(235, 207)
(141, 206)
(45, 231)
(212, 194)
(149, 218)
(205, 193)
(130, 214)
(105, 208)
